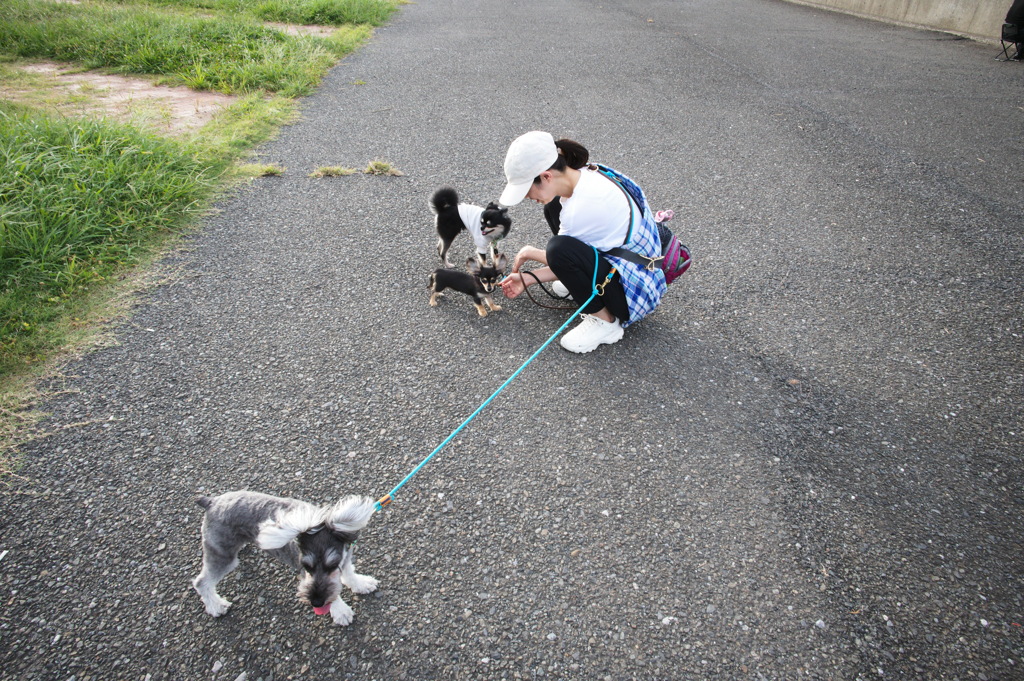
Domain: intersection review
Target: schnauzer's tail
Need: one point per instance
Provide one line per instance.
(443, 199)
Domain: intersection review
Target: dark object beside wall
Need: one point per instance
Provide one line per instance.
(1012, 36)
(1013, 32)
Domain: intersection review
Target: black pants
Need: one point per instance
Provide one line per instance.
(573, 262)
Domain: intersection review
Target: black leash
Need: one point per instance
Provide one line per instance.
(550, 293)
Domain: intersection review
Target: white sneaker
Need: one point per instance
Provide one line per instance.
(590, 333)
(559, 289)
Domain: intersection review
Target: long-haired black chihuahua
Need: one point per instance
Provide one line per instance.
(478, 281)
(486, 225)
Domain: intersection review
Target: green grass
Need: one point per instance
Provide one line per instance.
(77, 201)
(82, 200)
(261, 170)
(227, 52)
(85, 203)
(333, 171)
(249, 122)
(379, 167)
(320, 12)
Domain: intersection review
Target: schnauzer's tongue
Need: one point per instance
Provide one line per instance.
(323, 609)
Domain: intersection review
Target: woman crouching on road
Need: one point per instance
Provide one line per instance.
(591, 209)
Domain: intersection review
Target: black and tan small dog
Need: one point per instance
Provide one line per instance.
(478, 281)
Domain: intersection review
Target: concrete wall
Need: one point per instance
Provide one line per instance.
(977, 19)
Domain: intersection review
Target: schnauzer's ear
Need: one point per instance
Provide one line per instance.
(473, 265)
(350, 514)
(500, 261)
(274, 534)
(493, 206)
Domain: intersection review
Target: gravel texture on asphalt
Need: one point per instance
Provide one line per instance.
(805, 464)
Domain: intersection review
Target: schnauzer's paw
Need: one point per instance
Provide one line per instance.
(217, 607)
(341, 613)
(362, 584)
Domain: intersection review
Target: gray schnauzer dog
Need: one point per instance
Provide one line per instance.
(318, 541)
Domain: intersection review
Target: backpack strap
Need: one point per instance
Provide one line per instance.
(629, 201)
(650, 264)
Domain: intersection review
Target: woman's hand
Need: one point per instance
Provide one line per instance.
(512, 285)
(528, 253)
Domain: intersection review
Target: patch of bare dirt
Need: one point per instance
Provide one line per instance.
(302, 29)
(167, 110)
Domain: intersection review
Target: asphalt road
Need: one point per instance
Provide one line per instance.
(805, 464)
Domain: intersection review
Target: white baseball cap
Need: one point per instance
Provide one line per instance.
(528, 156)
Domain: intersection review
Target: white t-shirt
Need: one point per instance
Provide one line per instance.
(597, 213)
(471, 215)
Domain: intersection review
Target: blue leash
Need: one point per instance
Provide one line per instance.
(387, 498)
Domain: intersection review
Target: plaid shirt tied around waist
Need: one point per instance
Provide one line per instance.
(644, 288)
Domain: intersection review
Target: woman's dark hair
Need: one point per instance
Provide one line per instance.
(571, 154)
